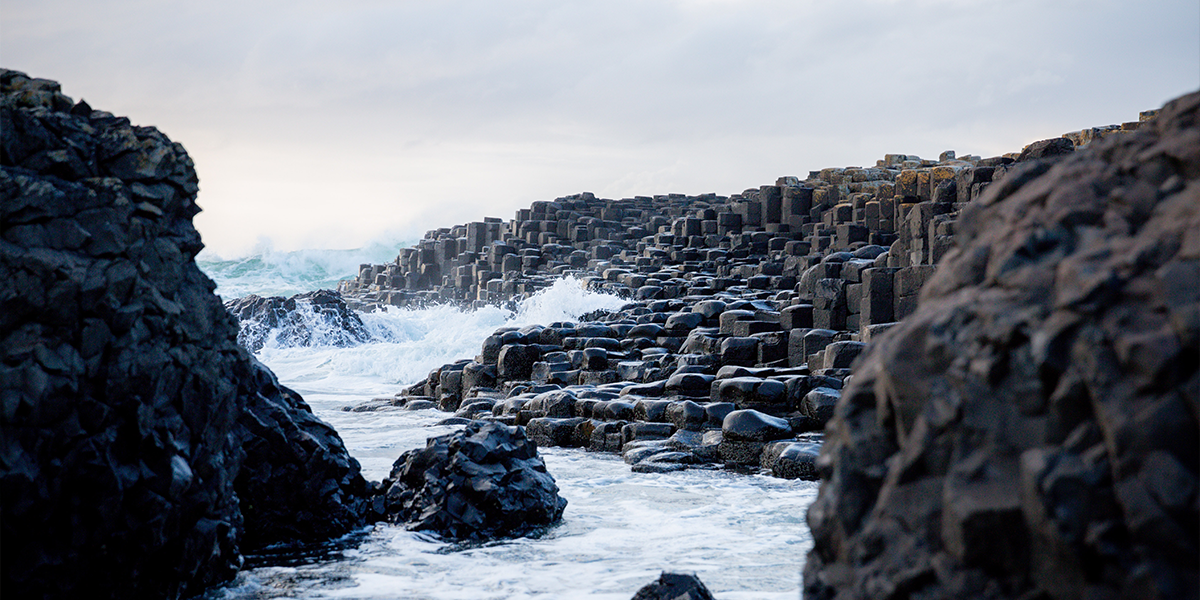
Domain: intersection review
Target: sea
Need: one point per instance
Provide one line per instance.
(744, 535)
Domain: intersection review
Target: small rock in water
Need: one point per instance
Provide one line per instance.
(482, 482)
(674, 586)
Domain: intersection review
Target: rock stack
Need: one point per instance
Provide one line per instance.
(141, 449)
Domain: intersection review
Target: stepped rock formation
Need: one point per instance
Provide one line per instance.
(141, 449)
(744, 313)
(1032, 431)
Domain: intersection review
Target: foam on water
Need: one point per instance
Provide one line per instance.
(744, 535)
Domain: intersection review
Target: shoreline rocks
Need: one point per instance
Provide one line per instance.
(759, 301)
(674, 586)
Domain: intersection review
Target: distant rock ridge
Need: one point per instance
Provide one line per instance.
(764, 239)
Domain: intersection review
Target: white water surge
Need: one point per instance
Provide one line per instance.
(744, 535)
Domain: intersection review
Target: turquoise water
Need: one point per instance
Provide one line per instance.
(269, 272)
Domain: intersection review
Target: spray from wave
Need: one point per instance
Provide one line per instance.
(404, 344)
(268, 272)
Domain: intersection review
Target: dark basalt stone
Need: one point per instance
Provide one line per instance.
(482, 482)
(1032, 430)
(141, 449)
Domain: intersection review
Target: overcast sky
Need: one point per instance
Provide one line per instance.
(328, 124)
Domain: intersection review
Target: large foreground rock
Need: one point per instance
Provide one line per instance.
(1032, 432)
(141, 449)
(482, 482)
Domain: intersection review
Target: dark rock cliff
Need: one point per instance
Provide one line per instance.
(141, 449)
(1032, 431)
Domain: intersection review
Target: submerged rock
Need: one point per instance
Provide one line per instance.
(309, 319)
(1032, 430)
(482, 482)
(674, 586)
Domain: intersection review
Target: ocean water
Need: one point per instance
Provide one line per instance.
(744, 535)
(269, 272)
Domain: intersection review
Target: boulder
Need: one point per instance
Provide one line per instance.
(754, 426)
(674, 586)
(1031, 430)
(483, 482)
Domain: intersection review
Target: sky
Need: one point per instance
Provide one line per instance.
(318, 124)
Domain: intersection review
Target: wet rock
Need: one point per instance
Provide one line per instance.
(547, 431)
(639, 431)
(515, 362)
(717, 411)
(754, 426)
(297, 482)
(792, 459)
(483, 482)
(689, 384)
(674, 586)
(319, 318)
(840, 355)
(687, 415)
(664, 462)
(819, 404)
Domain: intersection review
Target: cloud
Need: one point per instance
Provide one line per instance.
(364, 115)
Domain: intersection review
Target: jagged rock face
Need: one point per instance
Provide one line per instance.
(482, 482)
(297, 483)
(308, 319)
(128, 407)
(1032, 430)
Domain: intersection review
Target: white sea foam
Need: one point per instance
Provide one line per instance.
(744, 535)
(407, 343)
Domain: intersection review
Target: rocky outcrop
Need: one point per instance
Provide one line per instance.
(319, 318)
(484, 481)
(1032, 430)
(141, 450)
